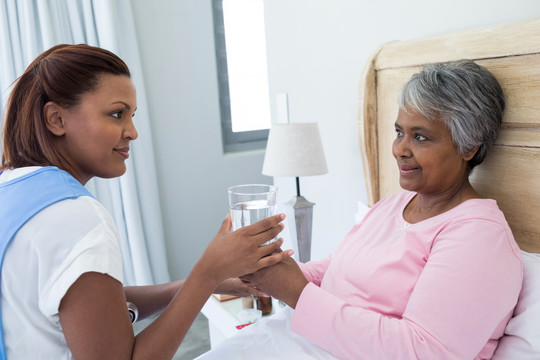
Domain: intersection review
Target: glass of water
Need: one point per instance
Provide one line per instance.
(251, 203)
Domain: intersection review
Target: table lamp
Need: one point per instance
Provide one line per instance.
(295, 149)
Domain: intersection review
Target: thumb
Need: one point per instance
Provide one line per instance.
(226, 225)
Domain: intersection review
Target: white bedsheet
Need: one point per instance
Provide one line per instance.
(269, 338)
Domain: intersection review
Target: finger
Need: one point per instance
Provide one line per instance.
(269, 234)
(274, 258)
(257, 292)
(268, 249)
(274, 246)
(265, 250)
(265, 224)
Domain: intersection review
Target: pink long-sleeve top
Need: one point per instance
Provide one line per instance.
(443, 288)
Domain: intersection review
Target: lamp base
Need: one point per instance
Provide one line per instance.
(303, 216)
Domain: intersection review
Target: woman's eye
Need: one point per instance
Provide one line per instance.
(399, 133)
(419, 137)
(117, 114)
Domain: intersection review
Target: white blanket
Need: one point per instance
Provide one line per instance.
(269, 338)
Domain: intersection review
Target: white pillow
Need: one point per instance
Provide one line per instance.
(522, 335)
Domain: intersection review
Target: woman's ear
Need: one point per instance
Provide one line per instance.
(53, 119)
(471, 153)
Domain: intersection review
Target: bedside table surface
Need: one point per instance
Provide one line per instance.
(222, 314)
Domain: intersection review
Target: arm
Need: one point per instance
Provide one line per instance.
(465, 293)
(93, 311)
(152, 299)
(238, 287)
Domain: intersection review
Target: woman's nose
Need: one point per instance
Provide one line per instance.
(401, 148)
(130, 131)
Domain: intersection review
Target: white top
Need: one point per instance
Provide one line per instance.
(47, 255)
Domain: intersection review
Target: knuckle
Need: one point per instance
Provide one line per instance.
(276, 230)
(266, 223)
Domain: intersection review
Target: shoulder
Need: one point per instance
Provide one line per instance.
(70, 212)
(479, 212)
(11, 174)
(73, 216)
(479, 225)
(78, 204)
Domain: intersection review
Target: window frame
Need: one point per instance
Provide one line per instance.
(232, 141)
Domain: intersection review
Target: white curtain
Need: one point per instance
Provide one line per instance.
(27, 28)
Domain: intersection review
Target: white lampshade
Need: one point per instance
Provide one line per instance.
(294, 149)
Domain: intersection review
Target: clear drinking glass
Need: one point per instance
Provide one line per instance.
(251, 203)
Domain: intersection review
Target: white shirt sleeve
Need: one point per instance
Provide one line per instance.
(86, 241)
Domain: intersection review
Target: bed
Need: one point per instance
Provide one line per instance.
(511, 172)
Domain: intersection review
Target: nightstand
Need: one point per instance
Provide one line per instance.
(221, 315)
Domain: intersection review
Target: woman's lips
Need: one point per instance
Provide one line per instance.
(405, 170)
(123, 151)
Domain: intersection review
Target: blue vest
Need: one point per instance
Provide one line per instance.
(24, 197)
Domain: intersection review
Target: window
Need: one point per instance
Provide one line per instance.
(242, 73)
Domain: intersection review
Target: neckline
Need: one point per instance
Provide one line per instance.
(410, 195)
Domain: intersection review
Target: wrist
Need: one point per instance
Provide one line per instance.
(205, 274)
(297, 293)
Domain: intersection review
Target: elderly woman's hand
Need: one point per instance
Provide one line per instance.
(284, 281)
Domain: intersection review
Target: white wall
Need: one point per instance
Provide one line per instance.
(316, 51)
(178, 59)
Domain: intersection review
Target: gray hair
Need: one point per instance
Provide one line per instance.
(465, 96)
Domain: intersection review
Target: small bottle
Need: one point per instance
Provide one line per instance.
(264, 304)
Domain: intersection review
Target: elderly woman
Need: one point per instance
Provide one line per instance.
(430, 273)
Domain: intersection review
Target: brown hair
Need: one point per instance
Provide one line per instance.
(62, 74)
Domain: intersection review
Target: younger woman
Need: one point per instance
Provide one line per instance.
(68, 119)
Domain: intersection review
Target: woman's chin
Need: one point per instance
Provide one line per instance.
(110, 174)
(407, 185)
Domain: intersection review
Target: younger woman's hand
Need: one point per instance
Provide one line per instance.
(238, 287)
(231, 254)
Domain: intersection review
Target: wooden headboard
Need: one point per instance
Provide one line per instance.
(511, 172)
